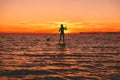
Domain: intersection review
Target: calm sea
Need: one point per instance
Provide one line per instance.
(82, 57)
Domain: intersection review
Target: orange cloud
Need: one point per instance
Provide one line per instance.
(53, 27)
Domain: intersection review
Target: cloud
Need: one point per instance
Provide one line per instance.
(53, 26)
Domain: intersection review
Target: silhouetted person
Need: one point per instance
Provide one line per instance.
(62, 34)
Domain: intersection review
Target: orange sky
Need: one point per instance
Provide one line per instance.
(45, 16)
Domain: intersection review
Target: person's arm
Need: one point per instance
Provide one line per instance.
(65, 28)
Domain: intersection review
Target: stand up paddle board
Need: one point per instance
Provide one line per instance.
(62, 43)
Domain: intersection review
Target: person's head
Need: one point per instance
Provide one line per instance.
(61, 25)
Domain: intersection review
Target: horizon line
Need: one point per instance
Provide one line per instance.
(54, 33)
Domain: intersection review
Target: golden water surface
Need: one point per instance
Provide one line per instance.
(82, 57)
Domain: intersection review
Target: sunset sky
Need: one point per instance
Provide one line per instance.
(45, 16)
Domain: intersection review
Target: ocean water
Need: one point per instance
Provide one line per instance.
(83, 57)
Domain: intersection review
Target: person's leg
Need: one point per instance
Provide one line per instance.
(63, 37)
(60, 37)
